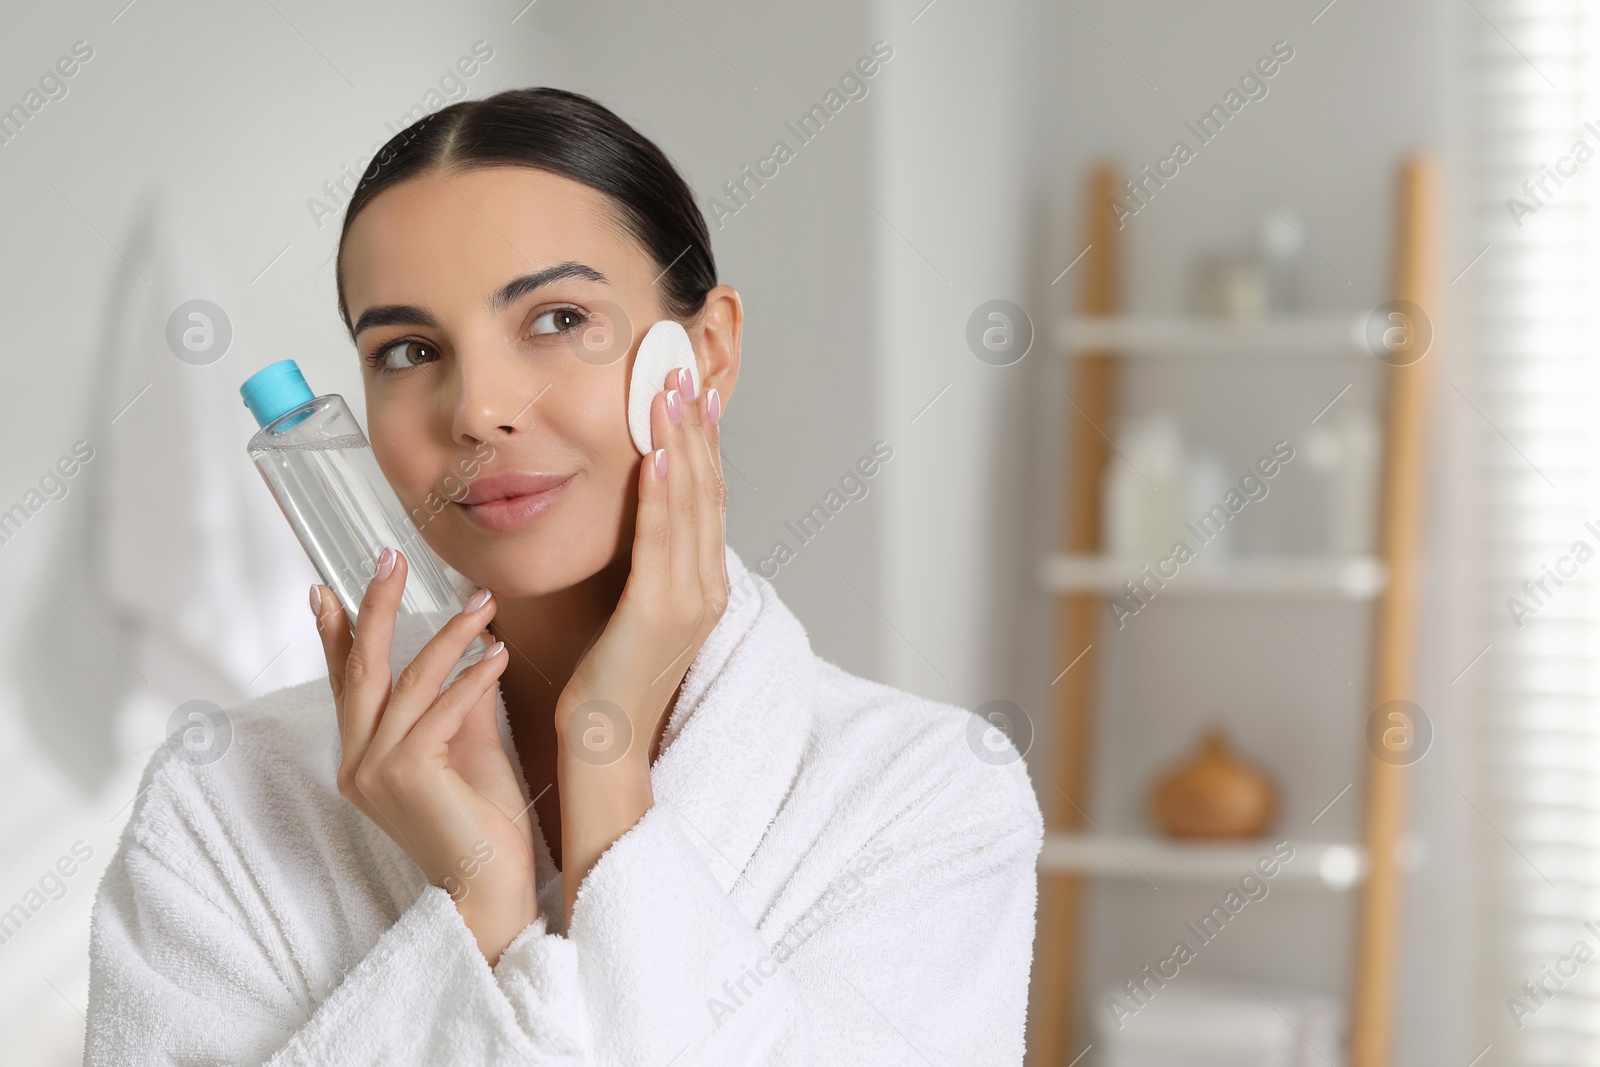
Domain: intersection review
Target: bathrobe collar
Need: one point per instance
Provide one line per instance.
(733, 744)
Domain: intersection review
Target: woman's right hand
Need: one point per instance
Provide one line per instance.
(428, 767)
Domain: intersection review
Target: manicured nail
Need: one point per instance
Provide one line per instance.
(713, 404)
(661, 462)
(476, 601)
(686, 383)
(494, 650)
(316, 600)
(674, 406)
(385, 563)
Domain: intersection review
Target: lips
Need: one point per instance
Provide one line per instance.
(511, 484)
(512, 500)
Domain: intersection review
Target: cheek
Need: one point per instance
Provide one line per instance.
(412, 470)
(595, 420)
(598, 427)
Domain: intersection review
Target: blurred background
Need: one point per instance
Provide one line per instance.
(1071, 377)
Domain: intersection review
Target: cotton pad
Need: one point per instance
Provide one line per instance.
(665, 346)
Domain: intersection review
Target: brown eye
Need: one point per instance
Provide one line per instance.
(558, 320)
(403, 354)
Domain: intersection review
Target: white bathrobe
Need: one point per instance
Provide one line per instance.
(834, 872)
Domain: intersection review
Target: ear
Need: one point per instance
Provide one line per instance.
(716, 335)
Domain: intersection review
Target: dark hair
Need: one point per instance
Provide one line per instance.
(570, 135)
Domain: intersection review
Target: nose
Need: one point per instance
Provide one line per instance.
(495, 392)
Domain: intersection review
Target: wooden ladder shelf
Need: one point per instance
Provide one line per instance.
(1056, 999)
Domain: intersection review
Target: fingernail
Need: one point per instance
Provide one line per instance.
(316, 600)
(385, 563)
(476, 601)
(686, 383)
(494, 650)
(713, 404)
(661, 462)
(674, 406)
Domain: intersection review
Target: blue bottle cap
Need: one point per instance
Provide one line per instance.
(274, 390)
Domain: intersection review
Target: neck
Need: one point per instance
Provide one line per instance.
(546, 636)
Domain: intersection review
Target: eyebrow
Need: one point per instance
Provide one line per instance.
(511, 291)
(505, 296)
(394, 315)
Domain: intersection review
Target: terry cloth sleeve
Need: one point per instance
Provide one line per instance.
(917, 952)
(191, 960)
(929, 962)
(920, 950)
(184, 971)
(181, 978)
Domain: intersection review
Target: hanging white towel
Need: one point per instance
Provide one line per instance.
(829, 875)
(193, 550)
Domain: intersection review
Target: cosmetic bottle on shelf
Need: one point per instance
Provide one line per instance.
(1144, 490)
(1343, 452)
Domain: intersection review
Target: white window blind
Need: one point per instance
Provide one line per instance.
(1533, 298)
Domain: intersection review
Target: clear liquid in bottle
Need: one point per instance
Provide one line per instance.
(321, 470)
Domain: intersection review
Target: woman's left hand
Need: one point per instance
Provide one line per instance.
(610, 710)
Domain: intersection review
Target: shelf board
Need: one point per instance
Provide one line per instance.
(1343, 577)
(1333, 865)
(1299, 335)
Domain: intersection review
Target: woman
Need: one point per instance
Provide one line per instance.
(763, 859)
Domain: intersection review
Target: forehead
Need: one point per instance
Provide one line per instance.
(465, 233)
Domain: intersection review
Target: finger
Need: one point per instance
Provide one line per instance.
(418, 685)
(710, 499)
(711, 424)
(367, 666)
(334, 629)
(443, 718)
(334, 632)
(683, 555)
(652, 529)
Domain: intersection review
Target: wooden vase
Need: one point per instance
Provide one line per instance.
(1214, 795)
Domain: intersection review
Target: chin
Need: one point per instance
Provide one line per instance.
(537, 560)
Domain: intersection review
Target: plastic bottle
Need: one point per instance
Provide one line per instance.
(1281, 247)
(1143, 503)
(320, 467)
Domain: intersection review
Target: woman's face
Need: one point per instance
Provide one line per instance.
(497, 312)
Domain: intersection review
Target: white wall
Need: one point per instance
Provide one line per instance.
(948, 229)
